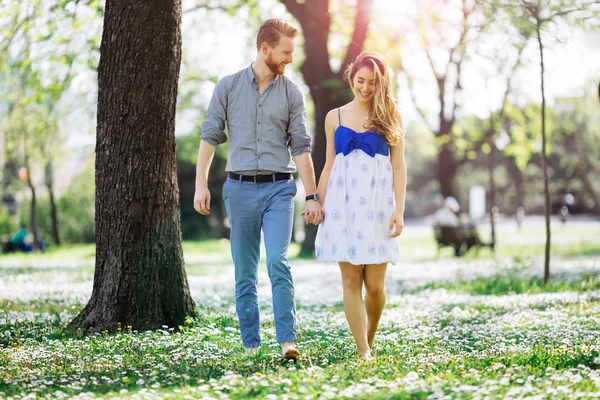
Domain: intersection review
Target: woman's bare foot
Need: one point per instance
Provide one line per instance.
(289, 351)
(371, 339)
(366, 356)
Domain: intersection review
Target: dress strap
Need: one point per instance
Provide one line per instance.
(339, 121)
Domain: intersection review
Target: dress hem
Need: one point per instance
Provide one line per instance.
(357, 262)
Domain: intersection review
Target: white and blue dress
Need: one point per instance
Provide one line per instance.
(359, 202)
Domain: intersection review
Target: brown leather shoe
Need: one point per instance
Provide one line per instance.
(289, 351)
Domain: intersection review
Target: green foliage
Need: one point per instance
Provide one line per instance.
(8, 224)
(75, 210)
(187, 148)
(515, 283)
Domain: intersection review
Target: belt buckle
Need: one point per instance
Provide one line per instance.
(255, 179)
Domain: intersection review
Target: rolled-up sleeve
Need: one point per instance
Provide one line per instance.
(213, 128)
(299, 138)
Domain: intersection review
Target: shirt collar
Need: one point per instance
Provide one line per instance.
(252, 78)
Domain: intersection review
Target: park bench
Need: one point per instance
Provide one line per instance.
(7, 246)
(461, 239)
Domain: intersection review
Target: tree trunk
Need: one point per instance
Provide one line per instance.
(140, 278)
(446, 171)
(53, 212)
(32, 204)
(492, 194)
(544, 156)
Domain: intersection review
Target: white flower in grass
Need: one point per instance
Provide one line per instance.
(412, 375)
(597, 360)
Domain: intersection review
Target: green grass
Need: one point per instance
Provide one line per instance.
(499, 285)
(206, 358)
(506, 335)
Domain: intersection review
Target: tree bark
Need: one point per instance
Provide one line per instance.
(140, 278)
(544, 156)
(447, 166)
(53, 212)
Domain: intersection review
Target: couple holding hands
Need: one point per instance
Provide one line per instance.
(359, 201)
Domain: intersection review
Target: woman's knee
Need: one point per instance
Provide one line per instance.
(353, 283)
(375, 289)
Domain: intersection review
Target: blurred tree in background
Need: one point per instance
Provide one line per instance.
(44, 46)
(443, 54)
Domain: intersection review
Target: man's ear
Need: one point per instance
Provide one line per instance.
(264, 48)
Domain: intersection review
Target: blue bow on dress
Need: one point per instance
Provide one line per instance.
(369, 142)
(360, 141)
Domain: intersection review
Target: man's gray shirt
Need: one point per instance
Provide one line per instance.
(263, 130)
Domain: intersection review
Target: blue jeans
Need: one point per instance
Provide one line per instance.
(270, 207)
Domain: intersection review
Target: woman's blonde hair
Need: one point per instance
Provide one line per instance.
(383, 115)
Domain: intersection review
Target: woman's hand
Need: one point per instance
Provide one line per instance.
(397, 221)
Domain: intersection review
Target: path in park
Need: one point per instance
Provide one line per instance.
(316, 282)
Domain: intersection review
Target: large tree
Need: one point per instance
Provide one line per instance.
(326, 85)
(139, 278)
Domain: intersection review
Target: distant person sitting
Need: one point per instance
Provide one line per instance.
(451, 231)
(19, 240)
(447, 215)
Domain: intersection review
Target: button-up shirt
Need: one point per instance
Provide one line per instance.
(264, 131)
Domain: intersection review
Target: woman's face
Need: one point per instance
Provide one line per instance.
(363, 84)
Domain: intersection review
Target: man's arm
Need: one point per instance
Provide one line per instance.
(300, 148)
(213, 134)
(313, 213)
(206, 153)
(306, 171)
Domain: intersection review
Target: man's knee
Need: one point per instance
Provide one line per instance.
(279, 270)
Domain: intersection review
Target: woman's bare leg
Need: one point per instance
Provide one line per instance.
(354, 307)
(374, 277)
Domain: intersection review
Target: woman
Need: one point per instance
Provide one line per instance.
(362, 190)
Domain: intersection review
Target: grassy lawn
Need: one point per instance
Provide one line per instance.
(475, 327)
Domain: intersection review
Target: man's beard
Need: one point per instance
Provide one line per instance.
(278, 69)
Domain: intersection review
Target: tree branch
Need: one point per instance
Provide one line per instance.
(205, 6)
(296, 9)
(414, 99)
(359, 34)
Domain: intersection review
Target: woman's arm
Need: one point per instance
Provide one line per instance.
(330, 127)
(399, 177)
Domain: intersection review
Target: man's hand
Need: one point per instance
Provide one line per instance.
(202, 201)
(398, 221)
(313, 212)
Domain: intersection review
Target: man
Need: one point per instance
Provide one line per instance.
(19, 240)
(447, 214)
(266, 121)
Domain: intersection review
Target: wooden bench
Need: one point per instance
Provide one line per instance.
(461, 239)
(7, 246)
